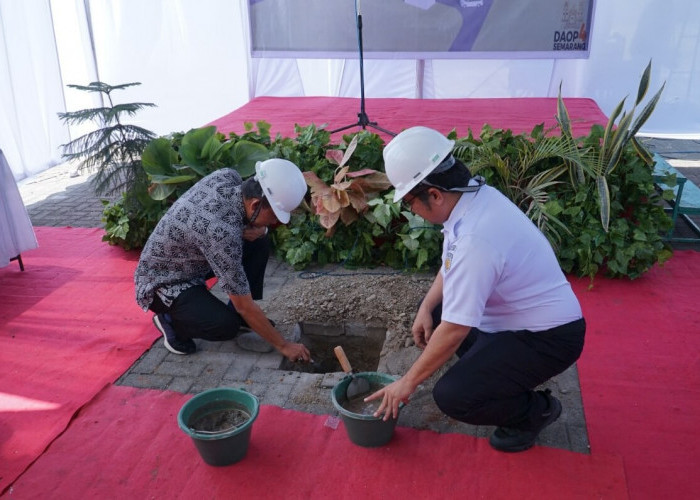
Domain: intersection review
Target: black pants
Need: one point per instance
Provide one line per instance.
(492, 382)
(197, 314)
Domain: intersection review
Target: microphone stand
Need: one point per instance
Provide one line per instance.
(363, 120)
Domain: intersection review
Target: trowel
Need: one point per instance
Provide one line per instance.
(357, 385)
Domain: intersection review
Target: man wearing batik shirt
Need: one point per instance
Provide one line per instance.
(218, 228)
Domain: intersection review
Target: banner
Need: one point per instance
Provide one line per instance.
(421, 29)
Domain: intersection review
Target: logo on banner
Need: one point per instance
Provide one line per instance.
(573, 34)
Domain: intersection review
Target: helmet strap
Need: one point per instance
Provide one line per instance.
(256, 212)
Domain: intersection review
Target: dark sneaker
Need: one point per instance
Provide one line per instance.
(170, 341)
(512, 440)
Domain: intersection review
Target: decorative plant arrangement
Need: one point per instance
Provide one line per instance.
(349, 195)
(593, 197)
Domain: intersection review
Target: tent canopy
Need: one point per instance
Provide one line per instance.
(193, 60)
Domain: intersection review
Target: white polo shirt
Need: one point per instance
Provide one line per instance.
(499, 271)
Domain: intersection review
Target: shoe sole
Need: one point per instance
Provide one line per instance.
(156, 322)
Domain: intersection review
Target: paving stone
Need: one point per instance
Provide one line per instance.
(180, 384)
(190, 369)
(271, 360)
(150, 381)
(265, 375)
(149, 361)
(277, 395)
(578, 438)
(240, 367)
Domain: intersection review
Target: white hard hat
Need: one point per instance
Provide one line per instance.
(412, 155)
(282, 184)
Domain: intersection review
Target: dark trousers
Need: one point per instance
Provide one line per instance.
(197, 314)
(492, 382)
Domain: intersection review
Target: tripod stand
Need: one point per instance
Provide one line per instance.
(363, 120)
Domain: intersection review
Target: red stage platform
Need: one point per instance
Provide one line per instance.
(519, 115)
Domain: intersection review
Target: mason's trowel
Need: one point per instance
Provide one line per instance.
(358, 385)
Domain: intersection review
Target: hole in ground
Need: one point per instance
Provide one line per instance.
(362, 345)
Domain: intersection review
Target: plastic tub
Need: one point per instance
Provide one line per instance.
(227, 446)
(364, 430)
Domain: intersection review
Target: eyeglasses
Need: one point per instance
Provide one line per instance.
(407, 201)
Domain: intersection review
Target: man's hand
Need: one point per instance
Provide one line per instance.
(295, 352)
(253, 233)
(422, 328)
(392, 396)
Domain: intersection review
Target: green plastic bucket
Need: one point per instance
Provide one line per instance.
(364, 430)
(228, 445)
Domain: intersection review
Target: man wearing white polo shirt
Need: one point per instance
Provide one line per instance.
(500, 300)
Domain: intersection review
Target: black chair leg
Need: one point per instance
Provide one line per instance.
(19, 260)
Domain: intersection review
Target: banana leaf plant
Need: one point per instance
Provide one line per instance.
(347, 197)
(600, 162)
(171, 166)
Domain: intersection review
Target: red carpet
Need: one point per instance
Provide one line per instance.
(69, 325)
(520, 115)
(640, 375)
(126, 444)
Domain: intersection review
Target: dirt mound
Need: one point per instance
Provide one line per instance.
(381, 297)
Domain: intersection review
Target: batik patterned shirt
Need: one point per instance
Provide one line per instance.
(201, 233)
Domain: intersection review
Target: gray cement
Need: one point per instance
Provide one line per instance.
(61, 197)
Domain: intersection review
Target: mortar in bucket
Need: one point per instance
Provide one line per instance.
(363, 428)
(220, 422)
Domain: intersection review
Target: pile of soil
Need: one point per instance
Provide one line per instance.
(381, 297)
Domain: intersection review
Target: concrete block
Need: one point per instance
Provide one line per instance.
(355, 329)
(321, 329)
(266, 376)
(331, 379)
(180, 369)
(271, 360)
(180, 384)
(277, 395)
(578, 439)
(149, 361)
(240, 367)
(148, 381)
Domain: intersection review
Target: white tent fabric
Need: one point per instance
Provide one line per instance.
(192, 59)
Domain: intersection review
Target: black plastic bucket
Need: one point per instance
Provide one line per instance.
(364, 430)
(229, 445)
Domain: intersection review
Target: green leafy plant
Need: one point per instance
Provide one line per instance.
(113, 150)
(129, 225)
(524, 167)
(348, 196)
(179, 162)
(554, 178)
(599, 162)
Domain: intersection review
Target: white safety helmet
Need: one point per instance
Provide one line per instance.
(412, 155)
(282, 184)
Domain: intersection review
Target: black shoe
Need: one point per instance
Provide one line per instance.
(170, 341)
(509, 439)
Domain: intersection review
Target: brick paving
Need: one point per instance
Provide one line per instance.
(58, 197)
